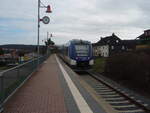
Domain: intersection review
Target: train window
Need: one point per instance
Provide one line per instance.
(82, 50)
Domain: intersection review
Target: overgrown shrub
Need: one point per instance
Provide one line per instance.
(143, 50)
(132, 67)
(99, 64)
(2, 63)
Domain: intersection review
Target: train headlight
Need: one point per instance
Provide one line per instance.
(73, 62)
(91, 62)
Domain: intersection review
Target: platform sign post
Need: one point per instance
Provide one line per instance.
(45, 20)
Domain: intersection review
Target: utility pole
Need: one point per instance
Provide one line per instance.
(45, 20)
(38, 40)
(47, 41)
(47, 34)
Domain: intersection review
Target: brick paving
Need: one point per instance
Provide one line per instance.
(42, 93)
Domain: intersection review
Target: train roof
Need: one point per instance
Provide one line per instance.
(77, 41)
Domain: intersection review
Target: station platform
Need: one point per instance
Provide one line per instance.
(54, 88)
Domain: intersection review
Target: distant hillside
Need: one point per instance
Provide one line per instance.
(19, 46)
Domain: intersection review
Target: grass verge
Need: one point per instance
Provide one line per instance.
(99, 64)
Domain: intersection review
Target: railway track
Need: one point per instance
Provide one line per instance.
(119, 100)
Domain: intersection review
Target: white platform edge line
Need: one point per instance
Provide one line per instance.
(80, 101)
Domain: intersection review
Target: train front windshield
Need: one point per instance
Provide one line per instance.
(82, 50)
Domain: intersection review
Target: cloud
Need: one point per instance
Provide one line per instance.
(82, 19)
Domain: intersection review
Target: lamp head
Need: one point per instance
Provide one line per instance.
(48, 9)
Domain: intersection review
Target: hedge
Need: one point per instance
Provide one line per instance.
(133, 67)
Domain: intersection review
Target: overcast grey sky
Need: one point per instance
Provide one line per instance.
(71, 19)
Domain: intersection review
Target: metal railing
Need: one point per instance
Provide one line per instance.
(12, 78)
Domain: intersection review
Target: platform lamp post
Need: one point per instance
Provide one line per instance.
(45, 20)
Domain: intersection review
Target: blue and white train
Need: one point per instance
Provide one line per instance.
(78, 54)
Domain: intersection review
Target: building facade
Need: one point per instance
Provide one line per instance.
(108, 46)
(144, 38)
